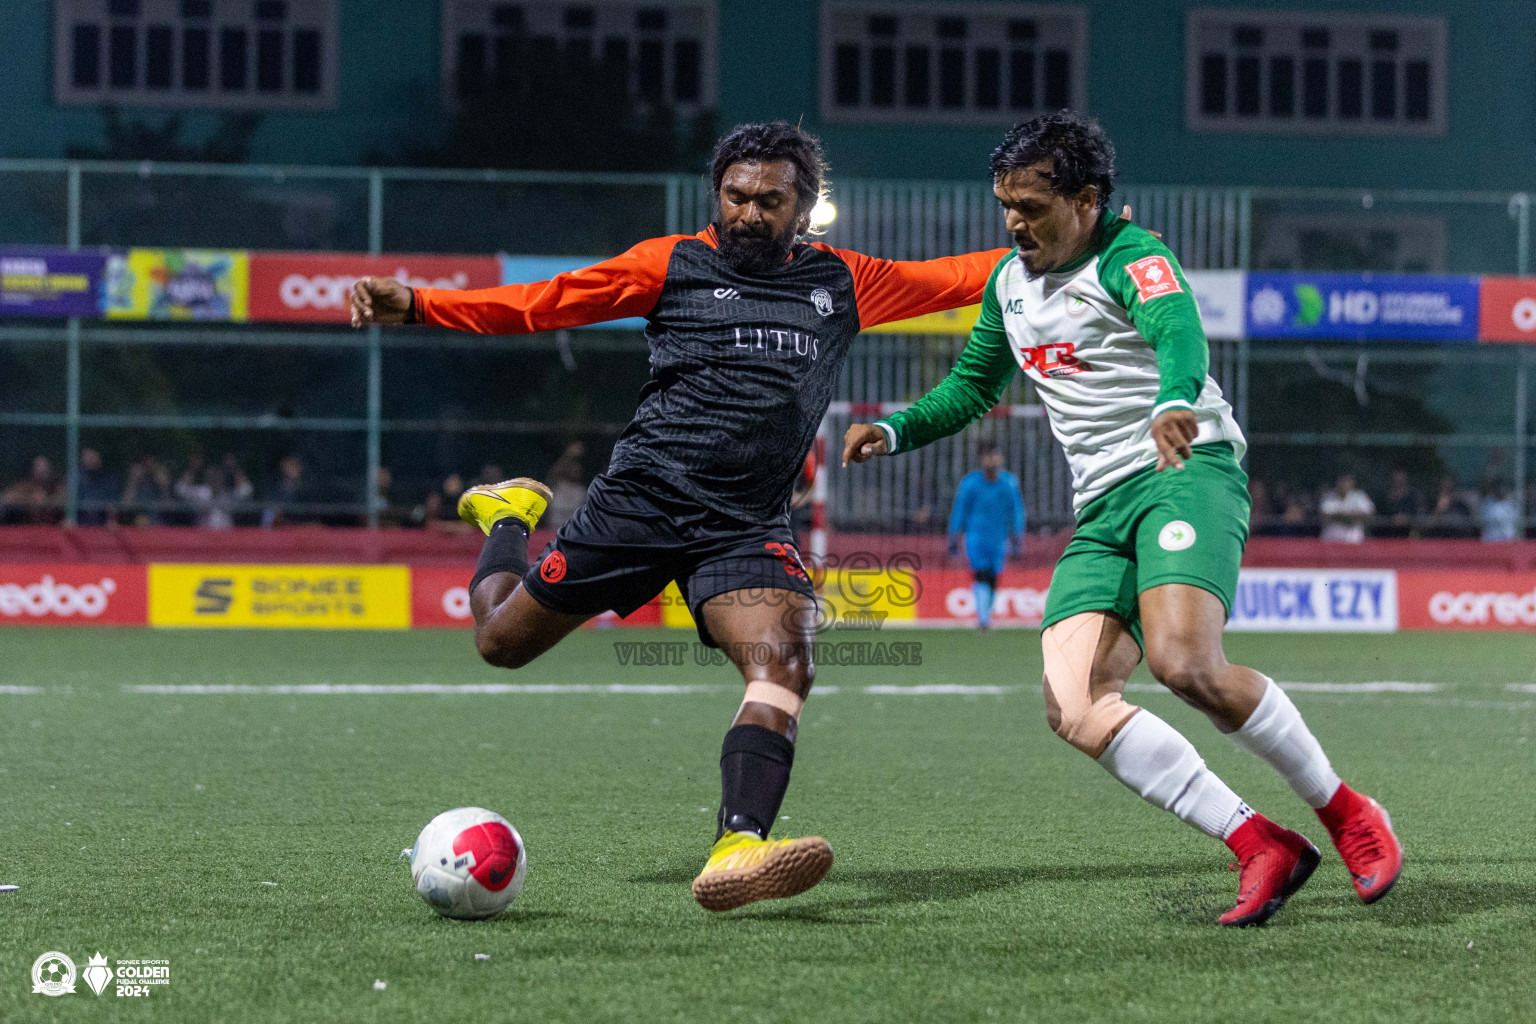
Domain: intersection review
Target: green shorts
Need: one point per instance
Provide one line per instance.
(1177, 526)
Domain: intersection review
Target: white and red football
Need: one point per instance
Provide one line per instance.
(469, 863)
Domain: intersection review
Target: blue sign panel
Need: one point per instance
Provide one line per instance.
(1389, 307)
(50, 282)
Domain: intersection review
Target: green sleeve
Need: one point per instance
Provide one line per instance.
(985, 367)
(1170, 322)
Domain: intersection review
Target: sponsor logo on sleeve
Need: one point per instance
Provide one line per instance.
(1153, 277)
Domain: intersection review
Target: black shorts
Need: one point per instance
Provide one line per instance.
(637, 533)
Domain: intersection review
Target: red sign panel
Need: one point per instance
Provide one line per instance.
(1501, 601)
(440, 597)
(73, 595)
(316, 286)
(1507, 309)
(1017, 600)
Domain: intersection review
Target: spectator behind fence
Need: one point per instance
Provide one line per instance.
(1345, 510)
(1259, 511)
(1403, 507)
(1499, 513)
(147, 492)
(1452, 513)
(565, 479)
(1294, 518)
(37, 499)
(441, 509)
(98, 491)
(389, 511)
(214, 493)
(287, 495)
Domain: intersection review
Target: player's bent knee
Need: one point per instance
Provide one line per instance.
(1090, 728)
(1191, 674)
(497, 651)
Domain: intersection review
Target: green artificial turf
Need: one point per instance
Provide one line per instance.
(984, 869)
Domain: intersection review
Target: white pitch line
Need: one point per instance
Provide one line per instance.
(1377, 687)
(1521, 687)
(21, 689)
(927, 690)
(1382, 687)
(937, 688)
(334, 689)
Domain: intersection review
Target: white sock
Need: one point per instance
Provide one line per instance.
(1152, 758)
(1276, 733)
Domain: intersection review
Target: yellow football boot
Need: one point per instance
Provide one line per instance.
(485, 505)
(743, 869)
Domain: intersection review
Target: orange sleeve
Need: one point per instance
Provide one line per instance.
(888, 290)
(627, 285)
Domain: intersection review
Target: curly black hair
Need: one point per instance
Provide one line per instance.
(775, 140)
(1079, 151)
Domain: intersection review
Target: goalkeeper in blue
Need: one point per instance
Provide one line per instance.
(989, 515)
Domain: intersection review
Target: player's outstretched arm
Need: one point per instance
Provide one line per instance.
(985, 367)
(625, 286)
(889, 290)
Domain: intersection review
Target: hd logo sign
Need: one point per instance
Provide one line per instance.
(280, 596)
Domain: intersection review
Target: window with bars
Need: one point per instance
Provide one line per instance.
(243, 54)
(663, 52)
(976, 63)
(1327, 73)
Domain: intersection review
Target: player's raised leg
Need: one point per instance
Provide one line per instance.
(1088, 658)
(1183, 625)
(767, 634)
(511, 628)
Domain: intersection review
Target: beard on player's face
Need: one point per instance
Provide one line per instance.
(754, 248)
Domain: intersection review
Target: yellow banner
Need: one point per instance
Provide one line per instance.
(281, 596)
(949, 321)
(178, 284)
(848, 598)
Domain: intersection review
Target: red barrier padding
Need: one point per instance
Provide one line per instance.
(453, 550)
(290, 544)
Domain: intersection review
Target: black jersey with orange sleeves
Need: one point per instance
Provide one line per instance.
(742, 365)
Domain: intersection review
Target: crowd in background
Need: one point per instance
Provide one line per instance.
(219, 495)
(1347, 513)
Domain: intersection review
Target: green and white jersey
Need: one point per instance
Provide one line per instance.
(1111, 341)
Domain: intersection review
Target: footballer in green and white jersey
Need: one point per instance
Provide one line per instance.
(1111, 340)
(1097, 312)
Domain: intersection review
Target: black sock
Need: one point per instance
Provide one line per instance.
(506, 550)
(754, 773)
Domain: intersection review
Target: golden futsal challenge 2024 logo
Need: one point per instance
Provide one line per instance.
(54, 974)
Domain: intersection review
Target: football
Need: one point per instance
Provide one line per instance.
(469, 863)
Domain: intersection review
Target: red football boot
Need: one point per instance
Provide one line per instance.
(1362, 832)
(1275, 863)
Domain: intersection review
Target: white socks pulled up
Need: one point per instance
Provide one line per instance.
(1151, 757)
(1276, 733)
